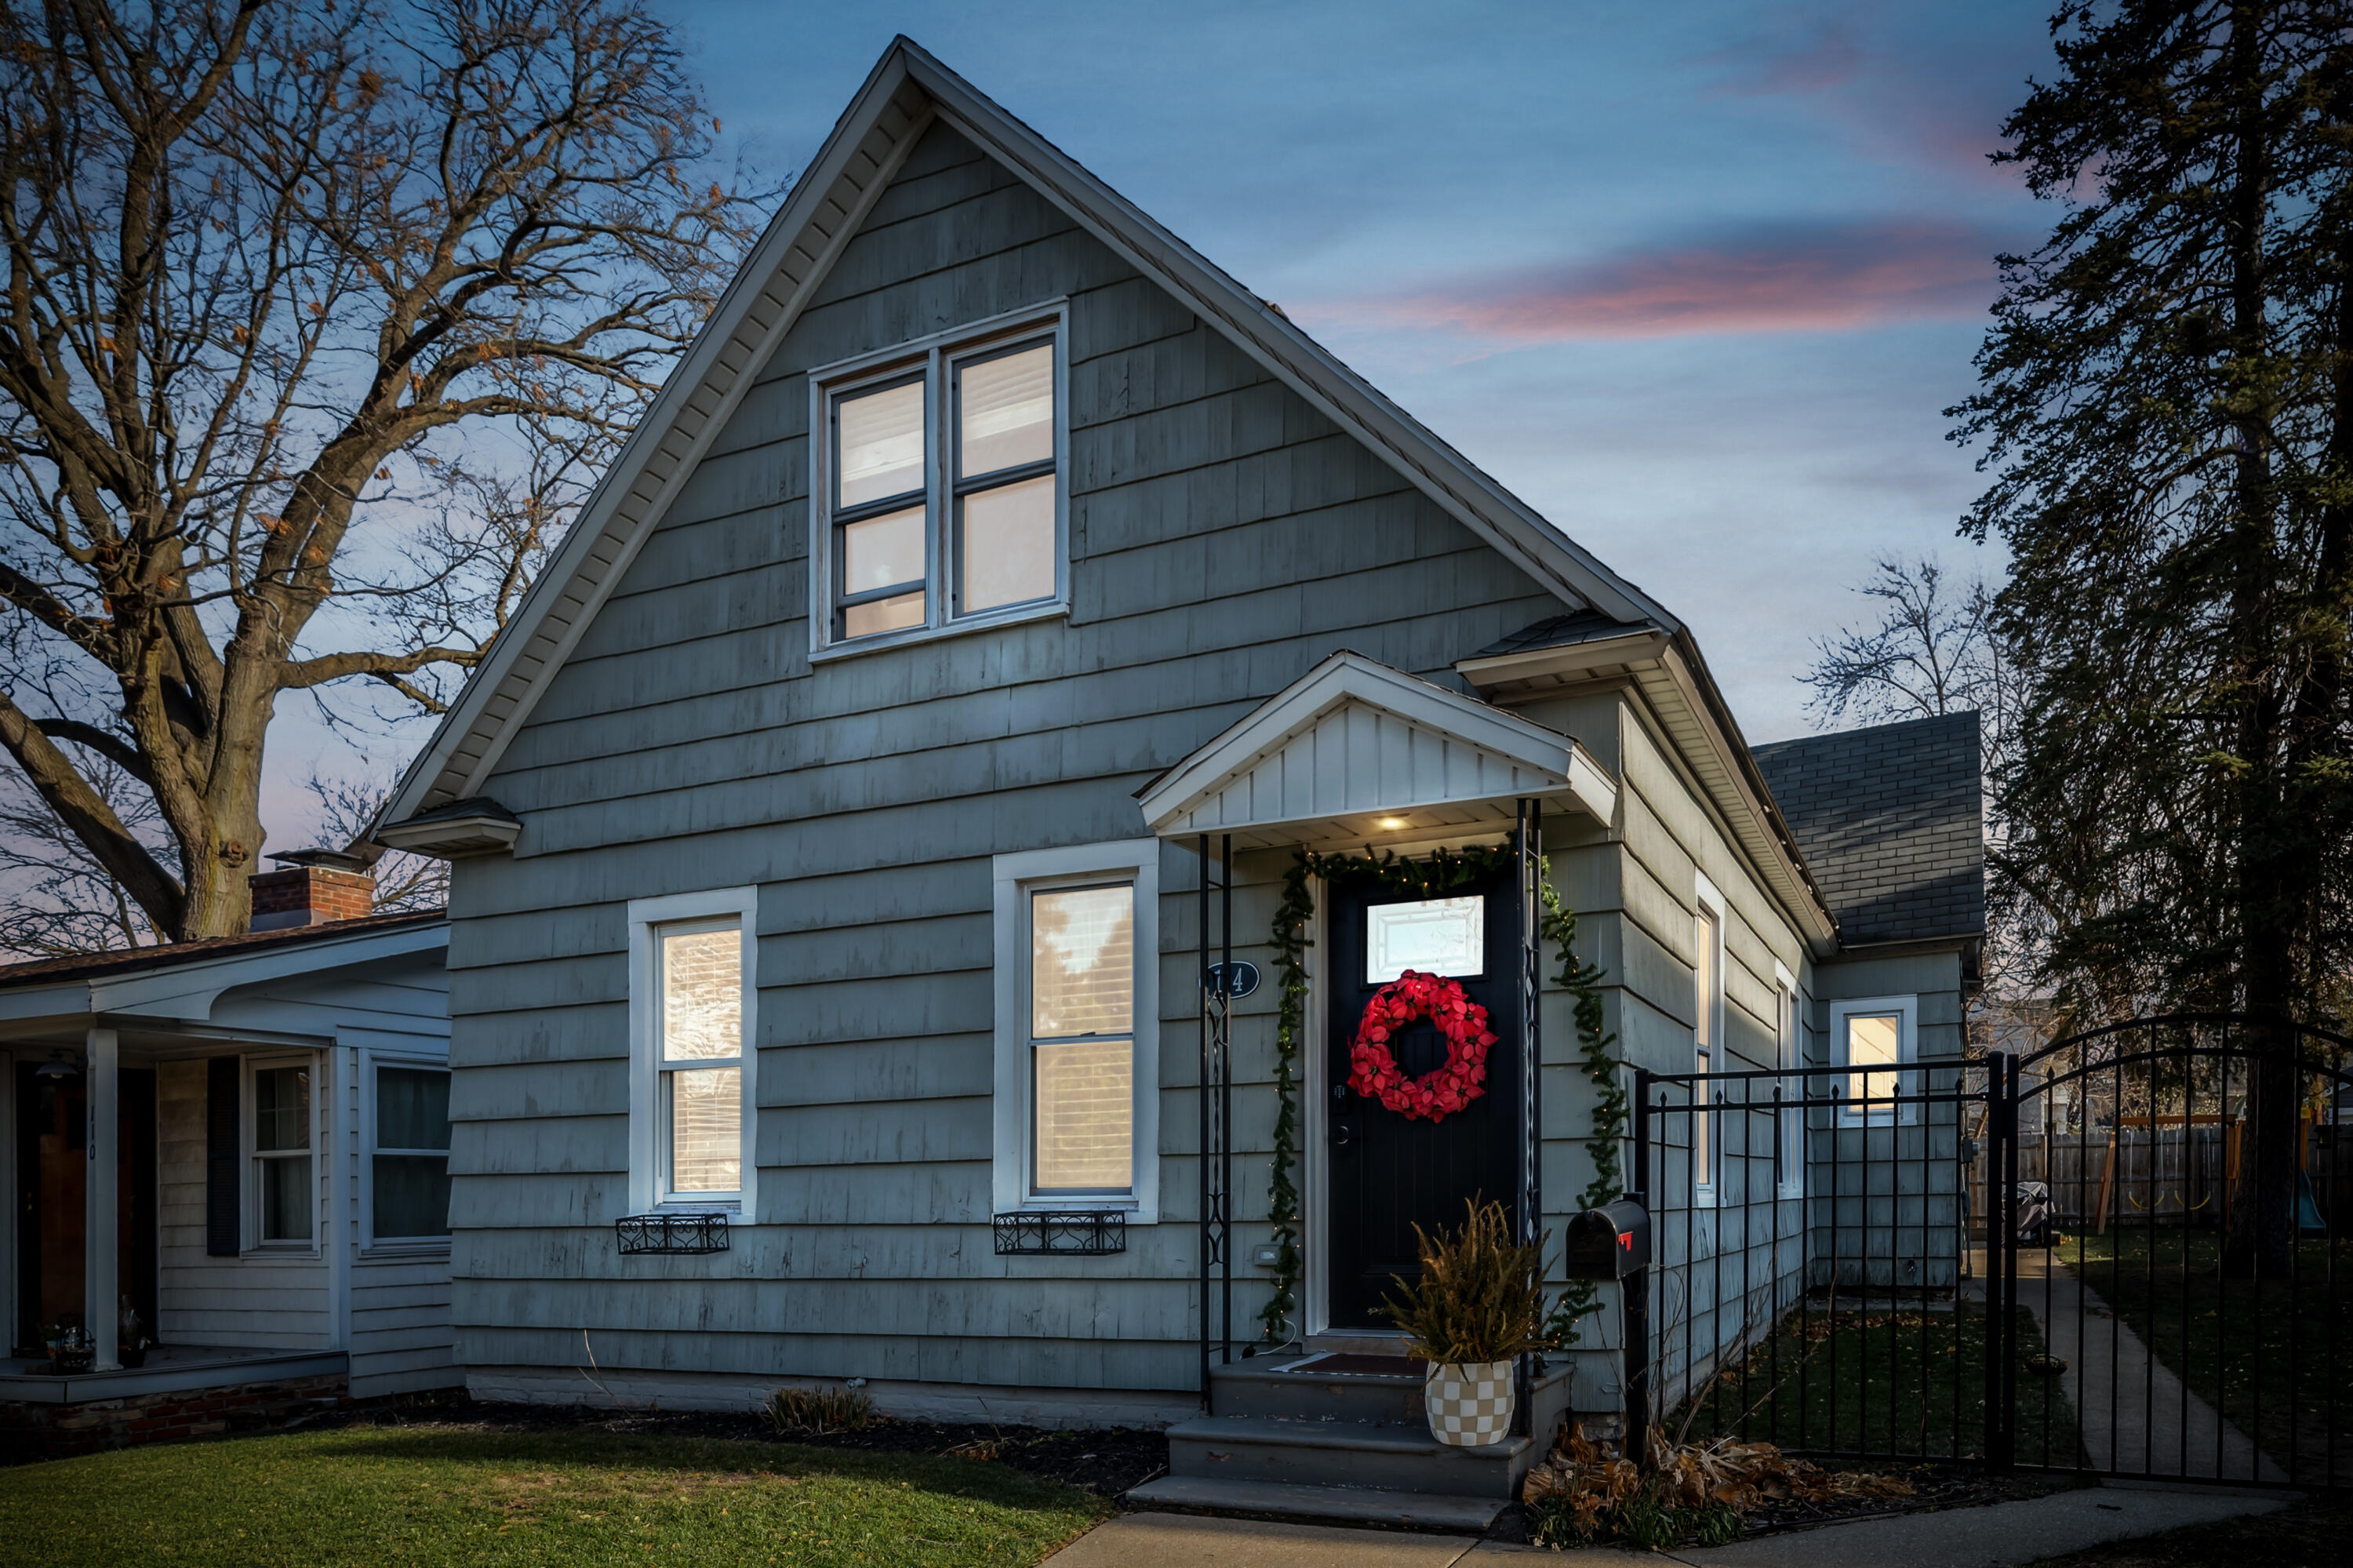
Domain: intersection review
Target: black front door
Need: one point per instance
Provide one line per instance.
(1389, 1173)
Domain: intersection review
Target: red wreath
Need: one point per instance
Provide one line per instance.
(1435, 1095)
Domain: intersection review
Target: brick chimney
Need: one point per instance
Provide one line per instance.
(312, 890)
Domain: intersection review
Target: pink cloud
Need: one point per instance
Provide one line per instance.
(1786, 278)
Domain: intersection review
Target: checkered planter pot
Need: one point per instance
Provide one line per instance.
(1470, 1405)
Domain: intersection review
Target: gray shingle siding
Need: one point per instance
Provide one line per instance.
(1891, 819)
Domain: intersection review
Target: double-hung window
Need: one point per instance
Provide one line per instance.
(1789, 1134)
(1077, 1068)
(941, 486)
(408, 1164)
(693, 1051)
(1707, 1035)
(285, 1187)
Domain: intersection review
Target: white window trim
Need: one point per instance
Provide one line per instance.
(646, 914)
(1013, 874)
(1907, 1053)
(251, 1136)
(400, 1246)
(1790, 1048)
(1709, 901)
(932, 355)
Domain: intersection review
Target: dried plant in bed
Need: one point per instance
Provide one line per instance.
(821, 1410)
(1480, 1297)
(1694, 1492)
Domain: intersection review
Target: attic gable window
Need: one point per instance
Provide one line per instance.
(941, 490)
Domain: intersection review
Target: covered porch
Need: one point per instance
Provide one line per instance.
(1342, 787)
(197, 1211)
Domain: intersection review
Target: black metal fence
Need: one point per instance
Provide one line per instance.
(1918, 1261)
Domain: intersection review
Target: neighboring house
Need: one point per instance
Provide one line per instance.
(235, 1147)
(830, 831)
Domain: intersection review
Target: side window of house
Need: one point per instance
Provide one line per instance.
(1870, 1038)
(1790, 1136)
(408, 1167)
(941, 502)
(1082, 1040)
(1707, 1003)
(1076, 996)
(693, 1056)
(284, 1182)
(701, 1089)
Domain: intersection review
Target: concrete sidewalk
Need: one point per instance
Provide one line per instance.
(1996, 1536)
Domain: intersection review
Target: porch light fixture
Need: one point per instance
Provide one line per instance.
(57, 1069)
(1388, 824)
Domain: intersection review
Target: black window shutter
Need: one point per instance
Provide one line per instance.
(223, 1217)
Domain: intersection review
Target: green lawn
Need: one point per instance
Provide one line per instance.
(431, 1495)
(2170, 1289)
(1879, 1383)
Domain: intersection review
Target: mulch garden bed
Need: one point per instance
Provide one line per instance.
(1105, 1461)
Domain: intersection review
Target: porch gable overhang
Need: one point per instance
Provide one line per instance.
(186, 991)
(1355, 750)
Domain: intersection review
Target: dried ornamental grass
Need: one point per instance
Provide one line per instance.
(1580, 1495)
(1480, 1297)
(821, 1409)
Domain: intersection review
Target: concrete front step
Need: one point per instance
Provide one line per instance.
(1291, 1387)
(1357, 1454)
(1318, 1505)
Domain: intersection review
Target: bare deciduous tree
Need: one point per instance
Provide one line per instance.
(1934, 651)
(317, 320)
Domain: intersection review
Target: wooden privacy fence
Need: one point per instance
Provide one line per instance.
(2174, 1171)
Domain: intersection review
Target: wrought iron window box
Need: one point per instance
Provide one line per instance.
(680, 1232)
(1089, 1232)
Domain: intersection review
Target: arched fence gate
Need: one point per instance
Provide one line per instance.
(2122, 1254)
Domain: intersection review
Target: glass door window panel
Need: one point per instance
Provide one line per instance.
(410, 1167)
(1873, 1040)
(702, 1053)
(1009, 545)
(281, 1146)
(1083, 1050)
(881, 450)
(1436, 937)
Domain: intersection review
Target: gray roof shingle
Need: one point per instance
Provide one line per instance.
(1891, 820)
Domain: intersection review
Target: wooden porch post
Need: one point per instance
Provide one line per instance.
(99, 1237)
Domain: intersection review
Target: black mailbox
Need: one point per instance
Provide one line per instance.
(1608, 1243)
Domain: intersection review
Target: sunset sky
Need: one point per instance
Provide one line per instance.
(1696, 281)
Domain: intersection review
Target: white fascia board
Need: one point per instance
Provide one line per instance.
(1498, 669)
(65, 1002)
(189, 990)
(1342, 679)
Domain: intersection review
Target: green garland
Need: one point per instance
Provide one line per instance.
(1441, 873)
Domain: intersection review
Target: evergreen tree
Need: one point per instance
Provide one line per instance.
(2166, 405)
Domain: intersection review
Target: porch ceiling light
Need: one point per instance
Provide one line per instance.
(56, 1068)
(1388, 824)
